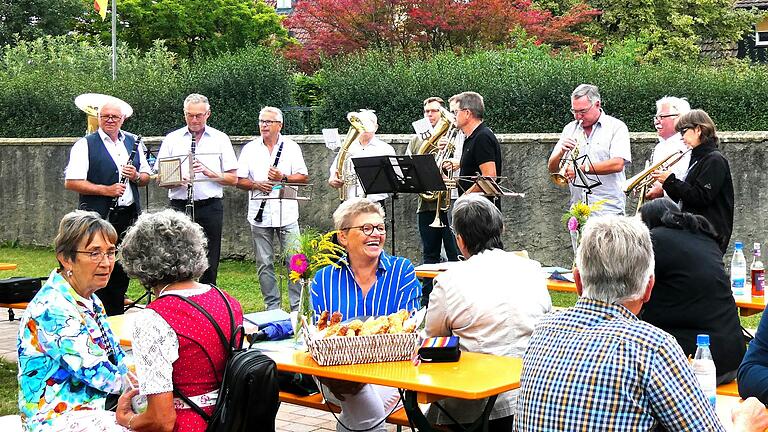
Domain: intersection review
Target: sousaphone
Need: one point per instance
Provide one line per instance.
(90, 103)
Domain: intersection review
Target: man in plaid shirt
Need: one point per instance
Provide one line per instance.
(597, 367)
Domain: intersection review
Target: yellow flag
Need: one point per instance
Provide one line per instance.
(101, 8)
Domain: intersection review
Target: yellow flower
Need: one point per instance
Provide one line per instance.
(294, 276)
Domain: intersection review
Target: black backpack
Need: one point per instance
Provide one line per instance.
(249, 396)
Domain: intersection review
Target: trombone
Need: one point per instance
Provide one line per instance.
(641, 181)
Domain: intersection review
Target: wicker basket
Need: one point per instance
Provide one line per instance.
(363, 349)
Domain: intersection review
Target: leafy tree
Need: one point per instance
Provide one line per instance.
(427, 26)
(197, 27)
(664, 28)
(30, 19)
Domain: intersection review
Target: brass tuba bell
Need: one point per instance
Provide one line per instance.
(90, 103)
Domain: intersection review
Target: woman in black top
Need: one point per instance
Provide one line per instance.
(708, 187)
(692, 293)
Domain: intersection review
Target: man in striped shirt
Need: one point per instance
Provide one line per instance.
(369, 283)
(596, 366)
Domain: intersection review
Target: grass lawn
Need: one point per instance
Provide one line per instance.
(236, 277)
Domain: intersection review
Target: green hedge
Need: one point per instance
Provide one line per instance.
(39, 81)
(528, 90)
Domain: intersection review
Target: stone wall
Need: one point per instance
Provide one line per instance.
(33, 197)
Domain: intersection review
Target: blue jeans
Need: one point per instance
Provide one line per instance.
(263, 249)
(432, 241)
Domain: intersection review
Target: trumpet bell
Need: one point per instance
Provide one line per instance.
(559, 179)
(91, 102)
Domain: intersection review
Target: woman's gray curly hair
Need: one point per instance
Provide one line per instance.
(164, 247)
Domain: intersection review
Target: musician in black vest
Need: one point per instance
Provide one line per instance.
(265, 163)
(214, 160)
(97, 170)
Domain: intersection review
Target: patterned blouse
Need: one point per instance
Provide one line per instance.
(68, 357)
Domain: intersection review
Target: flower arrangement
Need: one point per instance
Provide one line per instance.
(575, 218)
(312, 252)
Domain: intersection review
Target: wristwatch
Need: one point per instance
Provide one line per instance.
(285, 178)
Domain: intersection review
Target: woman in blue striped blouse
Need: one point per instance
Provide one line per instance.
(369, 282)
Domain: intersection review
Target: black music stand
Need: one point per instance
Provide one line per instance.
(398, 174)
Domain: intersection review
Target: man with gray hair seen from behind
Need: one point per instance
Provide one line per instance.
(215, 166)
(605, 140)
(597, 367)
(668, 109)
(481, 153)
(266, 164)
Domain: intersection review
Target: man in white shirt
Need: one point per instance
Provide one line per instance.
(266, 164)
(606, 142)
(108, 183)
(668, 109)
(365, 145)
(215, 166)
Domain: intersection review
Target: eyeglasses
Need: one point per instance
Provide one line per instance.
(456, 112)
(431, 111)
(683, 130)
(97, 256)
(268, 122)
(582, 111)
(661, 116)
(110, 118)
(368, 228)
(199, 116)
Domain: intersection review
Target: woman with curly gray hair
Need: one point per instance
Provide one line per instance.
(174, 345)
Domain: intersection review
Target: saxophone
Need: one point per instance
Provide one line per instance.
(343, 166)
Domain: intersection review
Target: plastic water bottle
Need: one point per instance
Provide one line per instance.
(738, 270)
(704, 369)
(138, 402)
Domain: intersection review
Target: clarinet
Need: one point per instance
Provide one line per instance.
(189, 210)
(122, 179)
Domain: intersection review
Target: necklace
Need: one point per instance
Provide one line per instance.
(163, 289)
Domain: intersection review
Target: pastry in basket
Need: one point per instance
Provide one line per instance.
(322, 322)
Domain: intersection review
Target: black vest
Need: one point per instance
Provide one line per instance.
(102, 170)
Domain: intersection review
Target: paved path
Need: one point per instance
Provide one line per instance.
(290, 418)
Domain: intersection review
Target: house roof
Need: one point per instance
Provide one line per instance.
(748, 4)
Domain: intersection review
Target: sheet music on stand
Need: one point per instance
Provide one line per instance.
(171, 170)
(491, 188)
(287, 191)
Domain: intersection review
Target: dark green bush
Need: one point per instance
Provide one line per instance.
(40, 80)
(528, 90)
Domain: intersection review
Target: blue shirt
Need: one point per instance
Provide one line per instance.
(396, 287)
(597, 367)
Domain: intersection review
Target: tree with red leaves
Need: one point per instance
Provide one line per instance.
(336, 27)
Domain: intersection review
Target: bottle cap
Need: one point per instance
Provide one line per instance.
(702, 339)
(737, 246)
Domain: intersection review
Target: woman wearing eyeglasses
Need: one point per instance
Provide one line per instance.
(69, 360)
(369, 282)
(708, 187)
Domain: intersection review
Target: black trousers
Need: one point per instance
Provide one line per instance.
(432, 241)
(209, 214)
(113, 295)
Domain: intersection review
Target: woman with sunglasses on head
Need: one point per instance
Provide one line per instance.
(368, 282)
(69, 360)
(708, 187)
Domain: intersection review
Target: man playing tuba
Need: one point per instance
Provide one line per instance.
(366, 144)
(434, 238)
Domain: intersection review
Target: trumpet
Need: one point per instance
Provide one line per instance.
(569, 158)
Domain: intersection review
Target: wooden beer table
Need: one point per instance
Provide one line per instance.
(474, 376)
(552, 284)
(7, 266)
(749, 305)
